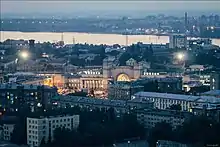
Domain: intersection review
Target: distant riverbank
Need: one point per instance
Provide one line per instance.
(90, 38)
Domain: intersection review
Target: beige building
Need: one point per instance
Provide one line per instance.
(43, 127)
(150, 117)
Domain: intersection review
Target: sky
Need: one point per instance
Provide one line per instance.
(30, 7)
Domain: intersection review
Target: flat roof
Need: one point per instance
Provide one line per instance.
(212, 92)
(208, 99)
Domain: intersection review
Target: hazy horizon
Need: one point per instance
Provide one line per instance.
(106, 8)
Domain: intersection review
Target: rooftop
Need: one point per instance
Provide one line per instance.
(207, 99)
(165, 112)
(212, 92)
(15, 86)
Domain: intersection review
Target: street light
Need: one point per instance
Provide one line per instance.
(180, 56)
(24, 54)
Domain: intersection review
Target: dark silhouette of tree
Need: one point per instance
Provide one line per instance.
(161, 131)
(175, 107)
(43, 143)
(124, 57)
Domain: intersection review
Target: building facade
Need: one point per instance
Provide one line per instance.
(43, 127)
(215, 81)
(7, 131)
(13, 96)
(123, 90)
(120, 106)
(165, 100)
(150, 117)
(177, 41)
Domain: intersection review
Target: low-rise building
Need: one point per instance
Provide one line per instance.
(43, 127)
(165, 100)
(150, 117)
(123, 90)
(120, 106)
(211, 111)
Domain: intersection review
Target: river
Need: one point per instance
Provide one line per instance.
(89, 38)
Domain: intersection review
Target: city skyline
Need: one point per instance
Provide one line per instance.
(113, 8)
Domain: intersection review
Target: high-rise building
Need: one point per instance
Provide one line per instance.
(43, 127)
(14, 96)
(177, 41)
(186, 22)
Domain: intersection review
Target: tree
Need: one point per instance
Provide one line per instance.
(161, 131)
(43, 143)
(175, 107)
(124, 57)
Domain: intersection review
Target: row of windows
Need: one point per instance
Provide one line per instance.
(61, 120)
(33, 137)
(33, 132)
(35, 143)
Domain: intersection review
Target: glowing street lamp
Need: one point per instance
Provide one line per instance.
(180, 56)
(24, 54)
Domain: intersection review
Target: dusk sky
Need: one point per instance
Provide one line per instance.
(86, 7)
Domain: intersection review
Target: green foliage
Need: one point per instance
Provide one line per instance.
(198, 130)
(99, 127)
(176, 107)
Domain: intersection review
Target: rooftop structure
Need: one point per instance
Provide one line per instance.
(165, 100)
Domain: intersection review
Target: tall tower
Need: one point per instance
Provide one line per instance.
(61, 41)
(126, 37)
(186, 22)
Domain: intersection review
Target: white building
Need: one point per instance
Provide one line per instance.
(165, 100)
(43, 127)
(7, 131)
(177, 41)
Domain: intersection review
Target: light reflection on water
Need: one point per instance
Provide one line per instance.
(89, 38)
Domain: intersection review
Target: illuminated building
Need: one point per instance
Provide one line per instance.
(120, 106)
(97, 78)
(13, 96)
